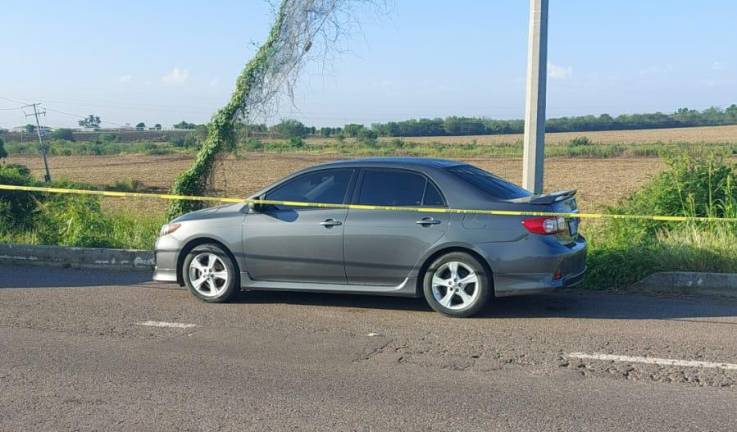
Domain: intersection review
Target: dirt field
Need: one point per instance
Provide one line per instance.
(599, 181)
(710, 134)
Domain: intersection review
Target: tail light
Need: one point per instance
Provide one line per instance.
(545, 225)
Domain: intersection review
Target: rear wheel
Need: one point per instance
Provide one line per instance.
(210, 274)
(456, 284)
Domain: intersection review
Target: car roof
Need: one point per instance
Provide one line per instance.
(393, 162)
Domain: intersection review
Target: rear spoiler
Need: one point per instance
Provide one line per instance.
(548, 198)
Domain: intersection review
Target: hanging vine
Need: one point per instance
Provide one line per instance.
(298, 26)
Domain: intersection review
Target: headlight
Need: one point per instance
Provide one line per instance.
(168, 229)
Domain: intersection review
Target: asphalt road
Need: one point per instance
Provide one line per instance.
(81, 350)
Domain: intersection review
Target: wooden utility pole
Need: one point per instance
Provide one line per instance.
(537, 59)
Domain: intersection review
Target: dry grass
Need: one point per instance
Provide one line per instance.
(599, 181)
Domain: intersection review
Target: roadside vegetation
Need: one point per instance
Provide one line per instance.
(66, 220)
(625, 251)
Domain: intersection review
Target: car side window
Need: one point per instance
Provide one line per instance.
(392, 188)
(329, 186)
(433, 197)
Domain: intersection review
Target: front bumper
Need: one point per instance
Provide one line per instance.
(166, 260)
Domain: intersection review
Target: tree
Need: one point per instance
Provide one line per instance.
(289, 129)
(157, 126)
(298, 27)
(3, 153)
(90, 122)
(31, 129)
(141, 126)
(184, 125)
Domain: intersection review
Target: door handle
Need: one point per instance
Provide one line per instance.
(428, 221)
(327, 223)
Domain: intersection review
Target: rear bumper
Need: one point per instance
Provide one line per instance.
(540, 270)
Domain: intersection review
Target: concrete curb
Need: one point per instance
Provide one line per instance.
(691, 283)
(111, 259)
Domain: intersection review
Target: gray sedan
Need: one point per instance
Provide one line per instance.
(456, 261)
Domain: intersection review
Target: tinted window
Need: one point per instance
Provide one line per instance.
(489, 183)
(392, 188)
(433, 197)
(328, 186)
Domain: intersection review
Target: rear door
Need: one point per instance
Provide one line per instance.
(382, 247)
(300, 244)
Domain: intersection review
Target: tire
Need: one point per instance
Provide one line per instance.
(215, 281)
(445, 290)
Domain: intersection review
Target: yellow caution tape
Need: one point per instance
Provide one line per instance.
(116, 194)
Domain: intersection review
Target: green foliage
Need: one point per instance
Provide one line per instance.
(3, 153)
(63, 134)
(184, 125)
(141, 126)
(189, 140)
(73, 220)
(367, 137)
(624, 251)
(69, 220)
(296, 142)
(16, 208)
(107, 138)
(580, 142)
(253, 144)
(289, 129)
(91, 121)
(454, 125)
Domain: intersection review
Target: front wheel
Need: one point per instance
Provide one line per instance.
(457, 285)
(210, 274)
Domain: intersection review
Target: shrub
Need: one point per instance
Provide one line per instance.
(189, 140)
(580, 141)
(296, 142)
(16, 207)
(624, 251)
(73, 221)
(253, 144)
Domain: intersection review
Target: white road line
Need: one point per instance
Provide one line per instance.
(166, 324)
(655, 360)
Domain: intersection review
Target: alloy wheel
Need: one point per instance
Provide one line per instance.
(208, 274)
(455, 285)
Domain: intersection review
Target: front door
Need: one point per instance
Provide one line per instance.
(382, 247)
(299, 244)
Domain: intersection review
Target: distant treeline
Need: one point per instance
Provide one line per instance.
(453, 126)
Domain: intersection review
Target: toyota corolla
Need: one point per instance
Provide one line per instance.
(456, 261)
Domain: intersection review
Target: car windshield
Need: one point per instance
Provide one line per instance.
(488, 183)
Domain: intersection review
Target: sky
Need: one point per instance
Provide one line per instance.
(164, 61)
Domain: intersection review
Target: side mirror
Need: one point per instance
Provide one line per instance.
(254, 207)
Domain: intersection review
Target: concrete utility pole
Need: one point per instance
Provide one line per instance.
(44, 148)
(537, 68)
